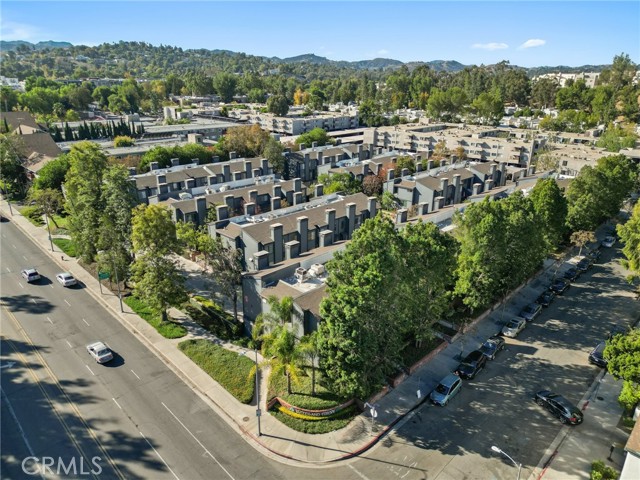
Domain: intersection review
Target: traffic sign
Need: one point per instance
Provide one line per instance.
(103, 275)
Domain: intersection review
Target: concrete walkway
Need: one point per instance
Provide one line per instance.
(277, 440)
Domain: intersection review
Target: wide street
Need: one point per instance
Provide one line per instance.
(145, 422)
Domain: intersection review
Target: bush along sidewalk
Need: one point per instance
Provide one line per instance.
(236, 373)
(211, 316)
(166, 329)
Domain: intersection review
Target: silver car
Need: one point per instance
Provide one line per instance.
(100, 352)
(66, 279)
(448, 387)
(514, 327)
(30, 275)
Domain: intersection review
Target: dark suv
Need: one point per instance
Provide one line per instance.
(597, 356)
(559, 286)
(559, 406)
(572, 274)
(545, 298)
(471, 365)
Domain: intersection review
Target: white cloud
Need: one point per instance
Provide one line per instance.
(532, 42)
(20, 31)
(383, 52)
(490, 46)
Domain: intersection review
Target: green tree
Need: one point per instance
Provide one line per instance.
(49, 201)
(226, 268)
(8, 99)
(361, 332)
(616, 137)
(123, 141)
(489, 107)
(273, 151)
(155, 274)
(543, 93)
(83, 191)
(551, 208)
(630, 235)
(316, 135)
(225, 85)
(52, 175)
(623, 362)
(279, 347)
(309, 349)
(12, 171)
(278, 105)
(582, 238)
(402, 162)
(340, 182)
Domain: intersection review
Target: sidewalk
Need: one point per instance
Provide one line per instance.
(278, 441)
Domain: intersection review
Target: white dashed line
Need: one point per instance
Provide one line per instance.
(49, 320)
(159, 456)
(21, 286)
(116, 402)
(65, 301)
(14, 246)
(358, 472)
(135, 374)
(8, 270)
(70, 346)
(86, 322)
(34, 301)
(199, 443)
(90, 370)
(25, 257)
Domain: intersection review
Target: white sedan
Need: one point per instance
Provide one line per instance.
(514, 327)
(100, 352)
(608, 241)
(66, 279)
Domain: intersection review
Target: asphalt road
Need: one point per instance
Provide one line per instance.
(144, 422)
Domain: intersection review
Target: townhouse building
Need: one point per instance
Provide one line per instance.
(296, 125)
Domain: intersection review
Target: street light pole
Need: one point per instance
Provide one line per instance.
(46, 216)
(502, 452)
(118, 284)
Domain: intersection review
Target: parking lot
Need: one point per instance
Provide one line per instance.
(496, 408)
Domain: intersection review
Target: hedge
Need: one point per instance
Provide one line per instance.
(166, 329)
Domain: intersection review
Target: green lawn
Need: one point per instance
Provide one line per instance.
(236, 373)
(166, 329)
(341, 420)
(66, 245)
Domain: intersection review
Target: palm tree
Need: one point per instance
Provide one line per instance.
(279, 348)
(280, 313)
(309, 349)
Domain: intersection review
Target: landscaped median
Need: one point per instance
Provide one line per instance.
(235, 372)
(166, 329)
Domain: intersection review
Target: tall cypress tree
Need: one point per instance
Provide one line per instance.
(68, 133)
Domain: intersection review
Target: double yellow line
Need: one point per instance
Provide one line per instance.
(64, 394)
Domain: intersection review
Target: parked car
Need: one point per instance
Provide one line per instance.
(594, 254)
(608, 241)
(545, 298)
(584, 264)
(597, 355)
(559, 406)
(617, 330)
(572, 274)
(530, 312)
(492, 346)
(66, 279)
(448, 387)
(471, 365)
(514, 327)
(30, 275)
(559, 286)
(100, 352)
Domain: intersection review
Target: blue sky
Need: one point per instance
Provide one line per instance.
(528, 34)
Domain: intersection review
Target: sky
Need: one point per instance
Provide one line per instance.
(525, 33)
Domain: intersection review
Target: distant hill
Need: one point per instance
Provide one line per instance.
(439, 65)
(14, 44)
(306, 58)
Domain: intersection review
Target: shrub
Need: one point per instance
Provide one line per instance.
(212, 316)
(33, 214)
(236, 373)
(340, 420)
(600, 471)
(166, 329)
(123, 141)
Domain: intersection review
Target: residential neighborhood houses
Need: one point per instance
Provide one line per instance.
(338, 239)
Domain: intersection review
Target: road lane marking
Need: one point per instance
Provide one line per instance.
(8, 270)
(7, 365)
(86, 322)
(65, 301)
(199, 442)
(358, 472)
(70, 346)
(116, 402)
(5, 399)
(34, 301)
(25, 258)
(14, 246)
(49, 320)
(20, 283)
(135, 374)
(51, 285)
(159, 456)
(90, 370)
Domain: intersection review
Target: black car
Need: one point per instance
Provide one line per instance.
(492, 346)
(559, 286)
(545, 298)
(617, 330)
(471, 365)
(594, 254)
(559, 406)
(584, 264)
(530, 312)
(572, 274)
(596, 357)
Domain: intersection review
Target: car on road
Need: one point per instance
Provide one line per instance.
(572, 274)
(597, 355)
(608, 241)
(584, 264)
(594, 255)
(530, 312)
(448, 387)
(559, 286)
(100, 352)
(30, 275)
(66, 279)
(471, 365)
(514, 327)
(545, 298)
(492, 346)
(617, 330)
(559, 407)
